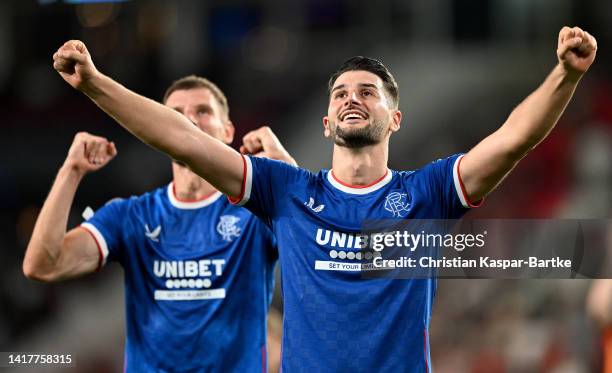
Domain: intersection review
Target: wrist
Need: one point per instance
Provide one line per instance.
(72, 170)
(569, 75)
(91, 87)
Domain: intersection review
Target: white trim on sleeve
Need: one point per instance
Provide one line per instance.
(460, 188)
(247, 183)
(457, 182)
(100, 241)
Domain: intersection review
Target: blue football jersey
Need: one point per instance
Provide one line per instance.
(198, 281)
(335, 320)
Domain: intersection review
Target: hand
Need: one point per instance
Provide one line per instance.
(73, 62)
(89, 153)
(262, 142)
(576, 50)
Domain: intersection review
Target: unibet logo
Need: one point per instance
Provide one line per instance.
(182, 274)
(188, 274)
(188, 268)
(341, 239)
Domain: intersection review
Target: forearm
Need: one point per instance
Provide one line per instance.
(533, 119)
(153, 123)
(45, 244)
(168, 131)
(485, 166)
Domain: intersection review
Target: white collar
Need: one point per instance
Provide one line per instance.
(359, 189)
(190, 205)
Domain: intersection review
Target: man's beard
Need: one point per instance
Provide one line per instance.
(354, 138)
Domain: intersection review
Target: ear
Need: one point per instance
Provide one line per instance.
(229, 131)
(396, 118)
(326, 129)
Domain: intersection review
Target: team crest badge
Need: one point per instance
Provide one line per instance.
(397, 204)
(227, 227)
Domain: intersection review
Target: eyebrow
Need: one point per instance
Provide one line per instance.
(204, 107)
(367, 85)
(199, 107)
(337, 87)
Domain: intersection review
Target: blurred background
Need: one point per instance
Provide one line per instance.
(462, 66)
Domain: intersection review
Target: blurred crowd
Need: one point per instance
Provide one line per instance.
(461, 67)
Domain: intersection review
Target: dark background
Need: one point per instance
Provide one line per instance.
(461, 65)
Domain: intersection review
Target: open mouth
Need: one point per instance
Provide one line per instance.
(352, 115)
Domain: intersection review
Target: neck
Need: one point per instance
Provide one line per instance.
(361, 166)
(188, 186)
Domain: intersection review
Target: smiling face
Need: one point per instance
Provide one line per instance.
(201, 107)
(360, 111)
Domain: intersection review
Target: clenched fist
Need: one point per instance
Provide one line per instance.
(73, 62)
(576, 50)
(262, 142)
(89, 153)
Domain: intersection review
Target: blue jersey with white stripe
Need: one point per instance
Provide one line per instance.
(198, 281)
(335, 320)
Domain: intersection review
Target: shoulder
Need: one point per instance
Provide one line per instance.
(275, 168)
(437, 172)
(436, 166)
(136, 201)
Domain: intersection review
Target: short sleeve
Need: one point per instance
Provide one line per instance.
(443, 178)
(265, 183)
(106, 226)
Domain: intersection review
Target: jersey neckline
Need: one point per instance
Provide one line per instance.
(359, 189)
(190, 205)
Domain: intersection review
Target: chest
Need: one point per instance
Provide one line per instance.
(191, 234)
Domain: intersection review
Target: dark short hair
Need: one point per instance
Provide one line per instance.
(373, 66)
(193, 82)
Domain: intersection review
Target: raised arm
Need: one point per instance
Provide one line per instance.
(488, 163)
(53, 254)
(153, 123)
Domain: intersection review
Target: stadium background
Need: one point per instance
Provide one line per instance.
(461, 66)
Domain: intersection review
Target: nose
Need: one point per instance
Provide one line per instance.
(351, 99)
